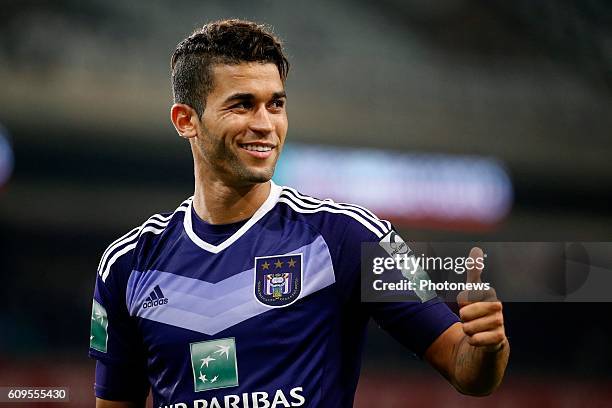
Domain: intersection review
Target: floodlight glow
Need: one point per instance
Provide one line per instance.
(403, 187)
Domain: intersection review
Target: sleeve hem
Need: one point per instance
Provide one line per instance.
(445, 321)
(120, 382)
(112, 395)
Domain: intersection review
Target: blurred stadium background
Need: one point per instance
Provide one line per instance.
(457, 119)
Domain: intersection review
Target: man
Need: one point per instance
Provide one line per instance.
(248, 294)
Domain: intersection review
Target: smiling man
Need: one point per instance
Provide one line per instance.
(248, 294)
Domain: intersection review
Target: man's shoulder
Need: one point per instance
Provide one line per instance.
(121, 250)
(341, 218)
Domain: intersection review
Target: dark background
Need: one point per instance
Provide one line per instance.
(85, 96)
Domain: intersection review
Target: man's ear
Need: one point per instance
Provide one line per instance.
(185, 120)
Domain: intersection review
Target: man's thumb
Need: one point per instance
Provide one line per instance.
(473, 273)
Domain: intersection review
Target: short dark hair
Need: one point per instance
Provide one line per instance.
(221, 42)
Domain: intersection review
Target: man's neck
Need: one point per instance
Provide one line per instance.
(217, 203)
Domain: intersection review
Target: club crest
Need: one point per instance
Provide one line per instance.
(278, 279)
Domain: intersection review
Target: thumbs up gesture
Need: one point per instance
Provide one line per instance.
(481, 312)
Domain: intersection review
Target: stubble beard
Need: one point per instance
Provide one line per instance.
(226, 163)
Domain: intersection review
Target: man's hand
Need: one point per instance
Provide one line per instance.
(473, 354)
(481, 312)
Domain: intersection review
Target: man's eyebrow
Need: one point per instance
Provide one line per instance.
(245, 96)
(240, 97)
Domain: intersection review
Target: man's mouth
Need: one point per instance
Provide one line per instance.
(258, 150)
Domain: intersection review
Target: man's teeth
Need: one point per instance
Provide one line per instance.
(257, 148)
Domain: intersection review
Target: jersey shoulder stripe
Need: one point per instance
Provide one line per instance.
(383, 224)
(156, 219)
(307, 205)
(156, 224)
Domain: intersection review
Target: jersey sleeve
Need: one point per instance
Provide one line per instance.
(415, 322)
(114, 339)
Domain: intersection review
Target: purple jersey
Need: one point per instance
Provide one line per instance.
(259, 314)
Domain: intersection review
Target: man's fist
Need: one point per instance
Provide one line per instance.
(481, 312)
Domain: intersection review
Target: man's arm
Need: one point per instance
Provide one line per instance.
(115, 342)
(473, 354)
(101, 403)
(471, 369)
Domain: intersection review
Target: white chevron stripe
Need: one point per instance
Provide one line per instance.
(212, 307)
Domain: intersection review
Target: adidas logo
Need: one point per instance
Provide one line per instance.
(156, 298)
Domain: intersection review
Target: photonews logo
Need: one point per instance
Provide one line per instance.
(98, 336)
(214, 364)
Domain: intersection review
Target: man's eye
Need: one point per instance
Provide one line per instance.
(278, 103)
(241, 105)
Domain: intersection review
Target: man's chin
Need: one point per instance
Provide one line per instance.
(251, 176)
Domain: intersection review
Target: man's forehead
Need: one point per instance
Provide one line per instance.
(247, 77)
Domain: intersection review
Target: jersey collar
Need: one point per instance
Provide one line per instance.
(270, 202)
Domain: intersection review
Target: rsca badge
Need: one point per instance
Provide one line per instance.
(214, 364)
(278, 279)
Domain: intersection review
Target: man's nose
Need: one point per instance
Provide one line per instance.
(261, 121)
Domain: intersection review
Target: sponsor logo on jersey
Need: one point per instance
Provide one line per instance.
(257, 399)
(156, 298)
(98, 336)
(278, 279)
(394, 244)
(214, 364)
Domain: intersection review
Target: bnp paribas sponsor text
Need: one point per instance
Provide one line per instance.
(258, 399)
(409, 265)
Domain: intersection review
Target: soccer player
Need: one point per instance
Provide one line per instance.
(248, 293)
